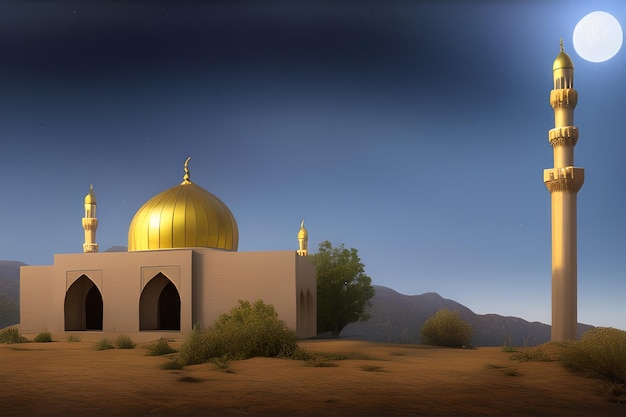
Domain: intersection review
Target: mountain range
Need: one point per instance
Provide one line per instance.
(394, 317)
(398, 318)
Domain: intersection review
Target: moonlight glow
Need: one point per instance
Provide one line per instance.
(598, 37)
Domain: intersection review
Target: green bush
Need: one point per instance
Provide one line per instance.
(43, 337)
(158, 348)
(245, 332)
(446, 328)
(104, 344)
(124, 342)
(11, 335)
(600, 353)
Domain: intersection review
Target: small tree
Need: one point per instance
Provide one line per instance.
(446, 328)
(343, 289)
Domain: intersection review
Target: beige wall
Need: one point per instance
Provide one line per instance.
(38, 311)
(218, 281)
(277, 278)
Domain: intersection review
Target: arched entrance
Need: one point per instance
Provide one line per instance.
(83, 306)
(159, 305)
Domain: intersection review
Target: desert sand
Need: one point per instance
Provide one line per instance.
(72, 378)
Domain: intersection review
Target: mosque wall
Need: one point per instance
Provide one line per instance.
(250, 276)
(119, 292)
(37, 307)
(119, 277)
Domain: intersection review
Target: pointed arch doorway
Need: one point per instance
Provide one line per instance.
(83, 307)
(159, 305)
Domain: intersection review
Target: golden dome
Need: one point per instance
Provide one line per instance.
(91, 197)
(182, 217)
(562, 60)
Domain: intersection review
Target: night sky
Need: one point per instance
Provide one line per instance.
(415, 132)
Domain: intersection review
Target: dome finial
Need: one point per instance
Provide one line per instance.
(562, 45)
(186, 176)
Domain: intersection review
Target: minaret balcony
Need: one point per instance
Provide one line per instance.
(563, 136)
(565, 97)
(564, 179)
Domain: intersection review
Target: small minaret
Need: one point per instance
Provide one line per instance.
(90, 223)
(303, 240)
(563, 181)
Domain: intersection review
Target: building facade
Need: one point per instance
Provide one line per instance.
(182, 268)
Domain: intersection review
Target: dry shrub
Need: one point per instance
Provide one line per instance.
(446, 328)
(158, 348)
(600, 353)
(11, 335)
(245, 332)
(43, 337)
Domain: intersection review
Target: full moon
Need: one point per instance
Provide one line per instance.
(598, 37)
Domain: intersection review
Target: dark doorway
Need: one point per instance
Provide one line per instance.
(83, 306)
(93, 309)
(169, 308)
(159, 305)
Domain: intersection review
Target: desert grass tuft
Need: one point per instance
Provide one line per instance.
(43, 337)
(124, 342)
(171, 365)
(221, 363)
(342, 356)
(371, 368)
(104, 344)
(72, 338)
(11, 335)
(158, 348)
(531, 355)
(320, 364)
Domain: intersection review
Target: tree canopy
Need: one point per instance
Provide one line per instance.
(343, 289)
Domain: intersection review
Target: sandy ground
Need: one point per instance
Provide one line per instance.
(72, 378)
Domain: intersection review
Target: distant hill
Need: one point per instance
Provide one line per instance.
(9, 292)
(398, 318)
(395, 317)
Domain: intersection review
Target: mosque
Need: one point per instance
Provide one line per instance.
(182, 268)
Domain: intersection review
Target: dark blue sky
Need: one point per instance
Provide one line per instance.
(415, 132)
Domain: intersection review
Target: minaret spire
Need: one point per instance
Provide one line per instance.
(563, 181)
(90, 222)
(303, 240)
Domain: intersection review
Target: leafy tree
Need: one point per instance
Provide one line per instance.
(343, 289)
(446, 328)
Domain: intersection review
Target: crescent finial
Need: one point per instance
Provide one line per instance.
(186, 176)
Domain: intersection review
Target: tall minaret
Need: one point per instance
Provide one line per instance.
(563, 181)
(90, 223)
